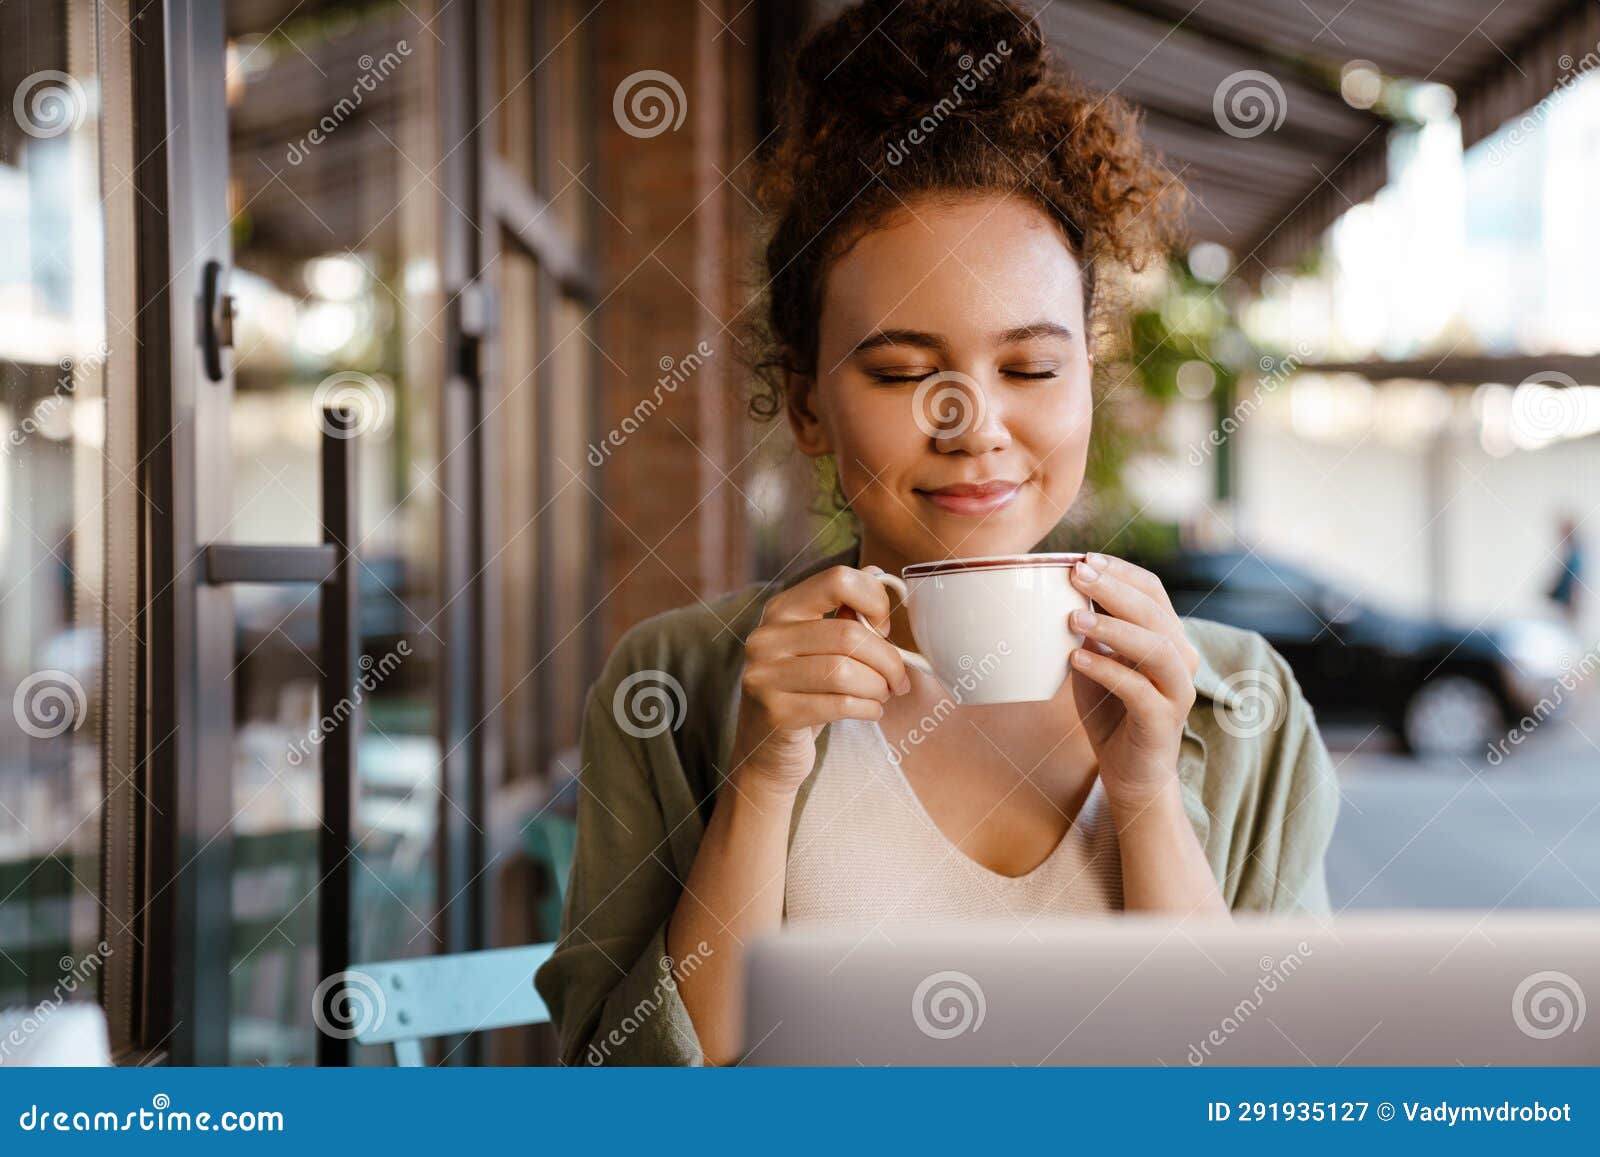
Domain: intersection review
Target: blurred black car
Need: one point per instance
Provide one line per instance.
(1442, 689)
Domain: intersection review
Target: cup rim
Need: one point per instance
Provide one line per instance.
(991, 562)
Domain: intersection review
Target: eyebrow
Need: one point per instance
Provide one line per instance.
(932, 341)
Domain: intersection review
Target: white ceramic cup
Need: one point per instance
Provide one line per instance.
(993, 629)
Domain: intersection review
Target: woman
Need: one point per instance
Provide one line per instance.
(967, 252)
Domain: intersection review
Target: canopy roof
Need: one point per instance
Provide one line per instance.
(1267, 191)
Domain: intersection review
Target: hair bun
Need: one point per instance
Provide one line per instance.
(884, 64)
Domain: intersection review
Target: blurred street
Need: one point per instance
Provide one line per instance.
(1525, 834)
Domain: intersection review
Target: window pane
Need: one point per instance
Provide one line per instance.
(52, 421)
(570, 509)
(516, 424)
(567, 122)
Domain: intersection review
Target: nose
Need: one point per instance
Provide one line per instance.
(961, 414)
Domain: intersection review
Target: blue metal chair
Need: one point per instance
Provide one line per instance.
(550, 841)
(445, 995)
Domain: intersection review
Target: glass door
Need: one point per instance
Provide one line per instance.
(54, 358)
(331, 135)
(298, 565)
(73, 787)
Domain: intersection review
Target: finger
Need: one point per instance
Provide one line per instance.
(1121, 598)
(1137, 693)
(1148, 584)
(1130, 573)
(827, 675)
(879, 625)
(1091, 696)
(829, 637)
(828, 591)
(1157, 655)
(796, 710)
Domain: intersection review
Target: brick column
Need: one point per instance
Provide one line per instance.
(672, 260)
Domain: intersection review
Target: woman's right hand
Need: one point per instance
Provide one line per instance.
(804, 669)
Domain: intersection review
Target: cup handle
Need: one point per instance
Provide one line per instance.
(898, 585)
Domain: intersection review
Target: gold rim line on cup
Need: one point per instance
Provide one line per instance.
(991, 562)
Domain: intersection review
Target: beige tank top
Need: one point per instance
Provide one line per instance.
(865, 850)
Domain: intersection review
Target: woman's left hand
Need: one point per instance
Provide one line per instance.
(1133, 679)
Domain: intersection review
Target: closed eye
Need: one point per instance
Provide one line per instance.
(1037, 373)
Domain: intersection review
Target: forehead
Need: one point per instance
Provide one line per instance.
(969, 267)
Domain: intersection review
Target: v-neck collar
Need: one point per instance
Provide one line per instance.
(1089, 811)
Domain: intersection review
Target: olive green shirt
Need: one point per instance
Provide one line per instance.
(1256, 782)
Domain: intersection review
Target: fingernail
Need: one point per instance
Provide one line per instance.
(1080, 657)
(1086, 572)
(903, 686)
(1085, 619)
(1095, 559)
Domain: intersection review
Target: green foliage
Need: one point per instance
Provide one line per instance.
(1188, 323)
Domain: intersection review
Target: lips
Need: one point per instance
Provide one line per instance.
(971, 497)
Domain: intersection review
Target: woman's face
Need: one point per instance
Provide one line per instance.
(953, 380)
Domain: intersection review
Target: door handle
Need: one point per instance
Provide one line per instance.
(216, 318)
(334, 566)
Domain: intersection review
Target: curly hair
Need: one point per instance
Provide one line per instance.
(899, 99)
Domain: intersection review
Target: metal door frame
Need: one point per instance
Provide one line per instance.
(187, 627)
(188, 622)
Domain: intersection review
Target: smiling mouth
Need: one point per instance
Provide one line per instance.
(971, 498)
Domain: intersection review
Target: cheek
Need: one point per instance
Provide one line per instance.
(874, 436)
(1058, 435)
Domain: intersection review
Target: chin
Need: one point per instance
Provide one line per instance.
(963, 543)
(939, 535)
(1011, 533)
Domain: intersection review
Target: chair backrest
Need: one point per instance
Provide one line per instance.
(551, 841)
(444, 995)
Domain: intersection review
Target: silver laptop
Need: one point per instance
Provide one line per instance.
(1412, 988)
